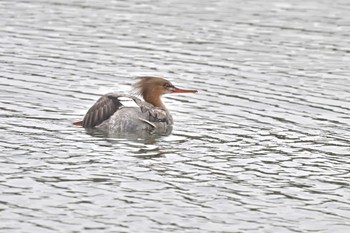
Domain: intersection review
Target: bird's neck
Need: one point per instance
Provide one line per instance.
(155, 100)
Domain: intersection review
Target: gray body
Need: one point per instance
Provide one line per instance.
(109, 114)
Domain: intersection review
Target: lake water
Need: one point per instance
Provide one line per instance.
(262, 147)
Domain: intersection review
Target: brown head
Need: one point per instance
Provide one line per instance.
(152, 88)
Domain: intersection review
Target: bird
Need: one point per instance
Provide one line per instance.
(150, 114)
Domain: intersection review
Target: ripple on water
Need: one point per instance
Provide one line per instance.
(263, 146)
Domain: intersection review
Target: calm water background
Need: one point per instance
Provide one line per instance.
(263, 147)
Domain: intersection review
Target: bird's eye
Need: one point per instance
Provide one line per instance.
(168, 85)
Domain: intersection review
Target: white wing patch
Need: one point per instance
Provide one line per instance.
(127, 102)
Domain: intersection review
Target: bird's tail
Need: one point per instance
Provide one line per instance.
(77, 123)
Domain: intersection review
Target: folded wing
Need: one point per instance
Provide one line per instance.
(103, 109)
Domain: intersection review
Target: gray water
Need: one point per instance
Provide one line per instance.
(262, 147)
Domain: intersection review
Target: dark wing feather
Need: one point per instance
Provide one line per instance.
(103, 109)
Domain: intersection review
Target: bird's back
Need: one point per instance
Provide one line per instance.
(143, 117)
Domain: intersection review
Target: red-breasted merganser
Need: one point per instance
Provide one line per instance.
(108, 113)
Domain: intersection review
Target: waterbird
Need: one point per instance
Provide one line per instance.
(109, 112)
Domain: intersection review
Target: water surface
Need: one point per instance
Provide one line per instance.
(263, 147)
